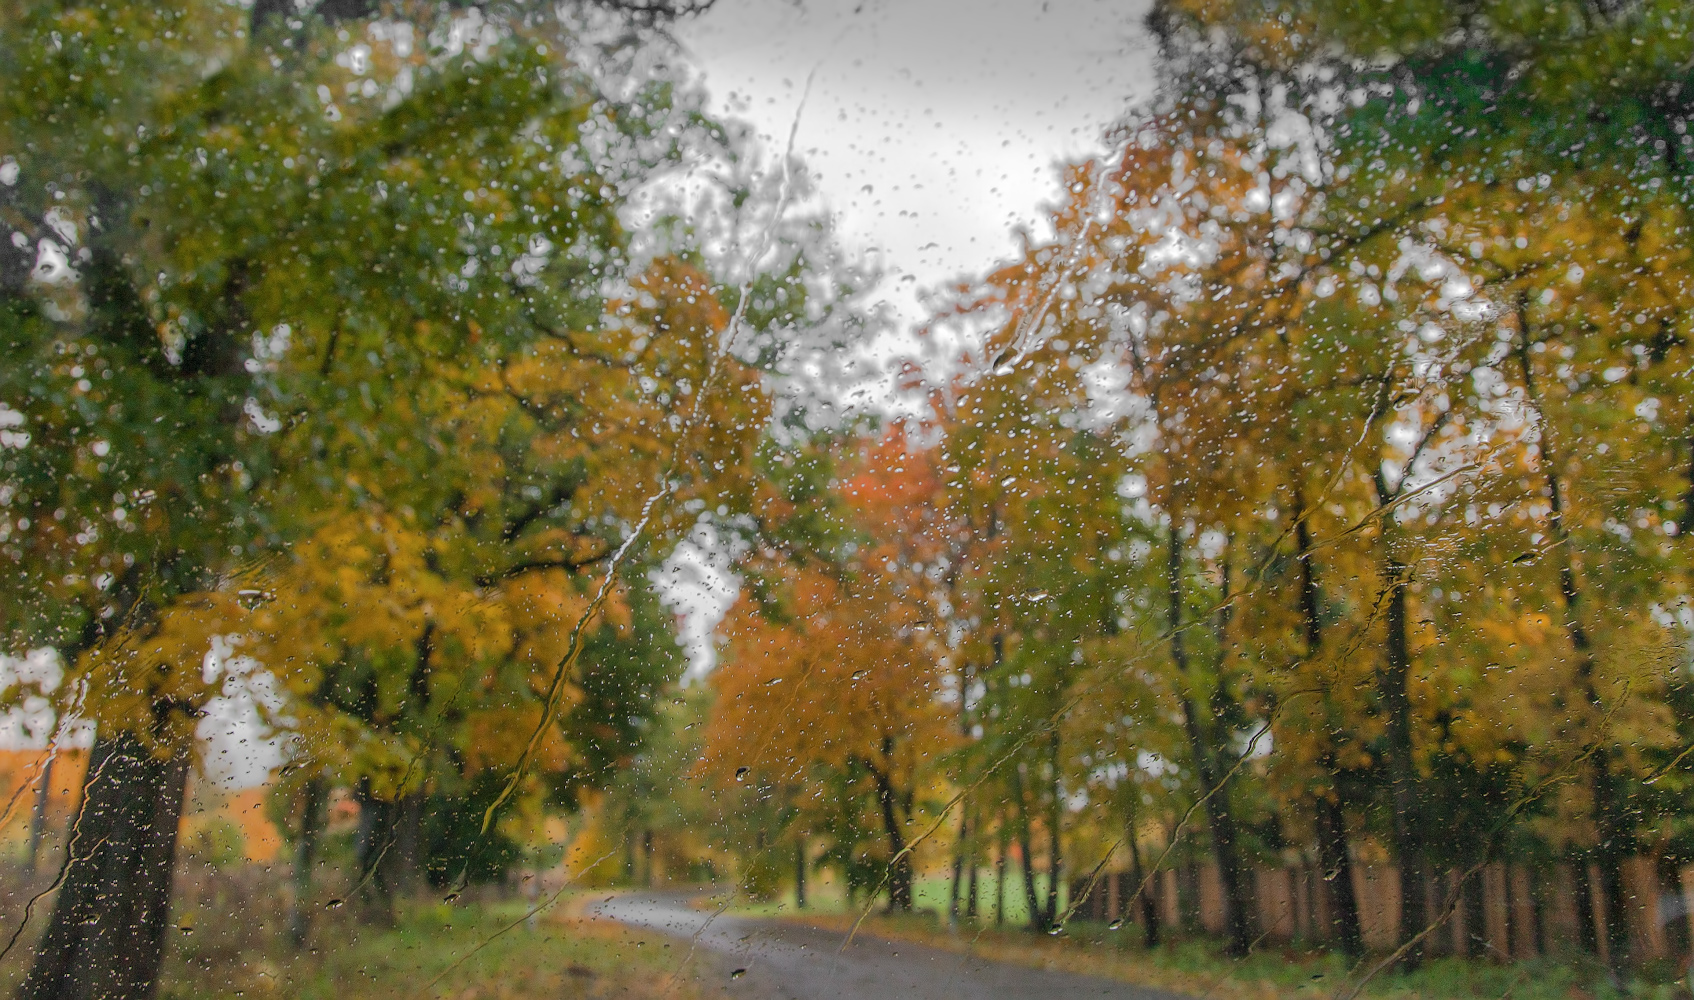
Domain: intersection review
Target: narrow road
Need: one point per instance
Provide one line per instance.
(778, 960)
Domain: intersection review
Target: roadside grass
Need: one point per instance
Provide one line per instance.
(1197, 966)
(929, 893)
(557, 956)
(486, 951)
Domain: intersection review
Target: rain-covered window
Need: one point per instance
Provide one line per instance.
(847, 498)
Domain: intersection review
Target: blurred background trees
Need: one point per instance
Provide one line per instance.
(1315, 496)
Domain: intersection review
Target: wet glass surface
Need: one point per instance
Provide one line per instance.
(776, 498)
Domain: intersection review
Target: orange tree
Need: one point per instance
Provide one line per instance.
(832, 668)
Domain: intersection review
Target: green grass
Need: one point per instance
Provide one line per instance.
(929, 893)
(476, 957)
(1197, 966)
(553, 958)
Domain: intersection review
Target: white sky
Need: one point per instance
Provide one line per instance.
(933, 126)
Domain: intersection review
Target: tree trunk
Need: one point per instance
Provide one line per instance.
(1611, 843)
(315, 795)
(900, 862)
(799, 872)
(1149, 912)
(1402, 770)
(958, 868)
(373, 847)
(106, 938)
(1345, 929)
(1055, 820)
(962, 851)
(1188, 896)
(1608, 857)
(1000, 879)
(408, 873)
(1026, 848)
(1220, 820)
(972, 886)
(38, 815)
(1329, 819)
(1586, 937)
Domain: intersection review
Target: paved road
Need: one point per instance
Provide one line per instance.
(777, 960)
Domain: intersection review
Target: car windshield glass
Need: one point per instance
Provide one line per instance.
(847, 498)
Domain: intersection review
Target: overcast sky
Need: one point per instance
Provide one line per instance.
(932, 126)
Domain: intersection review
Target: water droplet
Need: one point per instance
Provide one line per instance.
(1056, 931)
(1114, 925)
(741, 773)
(738, 973)
(186, 930)
(332, 904)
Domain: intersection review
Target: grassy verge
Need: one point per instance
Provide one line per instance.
(1198, 968)
(557, 957)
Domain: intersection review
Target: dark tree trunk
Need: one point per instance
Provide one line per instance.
(38, 815)
(106, 938)
(962, 851)
(957, 888)
(1143, 890)
(1337, 877)
(374, 849)
(1471, 895)
(314, 796)
(1539, 902)
(1329, 819)
(1608, 857)
(1188, 896)
(1219, 818)
(1026, 849)
(799, 871)
(407, 853)
(402, 866)
(1000, 879)
(1055, 819)
(900, 863)
(1586, 937)
(1402, 770)
(899, 860)
(972, 887)
(1611, 845)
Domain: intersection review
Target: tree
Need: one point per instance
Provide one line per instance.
(1254, 259)
(203, 357)
(831, 669)
(432, 615)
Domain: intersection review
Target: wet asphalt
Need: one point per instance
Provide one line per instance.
(759, 959)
